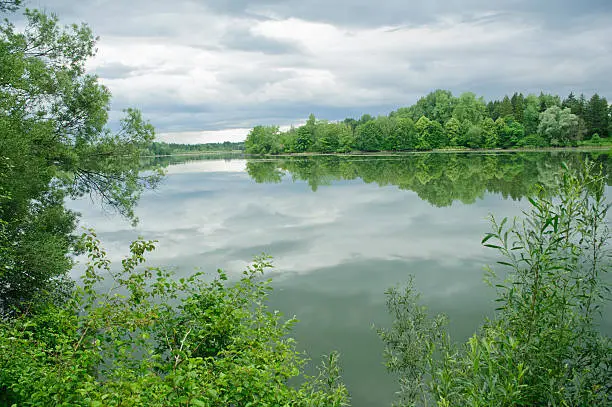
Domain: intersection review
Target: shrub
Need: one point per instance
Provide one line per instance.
(154, 340)
(542, 347)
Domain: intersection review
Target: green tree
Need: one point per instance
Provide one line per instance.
(510, 133)
(596, 116)
(369, 136)
(347, 139)
(490, 137)
(506, 109)
(469, 108)
(559, 127)
(406, 135)
(473, 137)
(531, 114)
(328, 140)
(422, 127)
(518, 106)
(56, 144)
(263, 140)
(437, 105)
(453, 131)
(546, 101)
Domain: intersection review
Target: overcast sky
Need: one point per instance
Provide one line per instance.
(208, 70)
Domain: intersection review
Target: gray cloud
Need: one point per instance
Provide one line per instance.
(213, 65)
(242, 39)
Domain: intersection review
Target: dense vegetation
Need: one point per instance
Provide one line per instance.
(160, 148)
(543, 347)
(55, 144)
(437, 178)
(150, 340)
(155, 340)
(441, 120)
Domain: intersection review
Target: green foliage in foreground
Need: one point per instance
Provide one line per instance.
(542, 348)
(153, 340)
(55, 144)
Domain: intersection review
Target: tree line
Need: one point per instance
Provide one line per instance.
(157, 148)
(442, 120)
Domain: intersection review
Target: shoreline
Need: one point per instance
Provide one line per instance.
(607, 148)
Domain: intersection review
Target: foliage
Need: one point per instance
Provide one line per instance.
(161, 148)
(559, 127)
(263, 140)
(56, 144)
(441, 120)
(542, 348)
(155, 340)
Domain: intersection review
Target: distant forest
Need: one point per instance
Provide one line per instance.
(441, 120)
(161, 148)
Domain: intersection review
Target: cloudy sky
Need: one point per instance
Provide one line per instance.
(209, 70)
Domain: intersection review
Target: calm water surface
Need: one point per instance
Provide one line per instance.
(341, 230)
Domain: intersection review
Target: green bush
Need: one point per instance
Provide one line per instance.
(153, 340)
(542, 347)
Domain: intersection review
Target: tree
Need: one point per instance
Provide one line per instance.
(518, 108)
(437, 105)
(531, 114)
(422, 127)
(453, 131)
(469, 108)
(559, 127)
(369, 136)
(596, 116)
(510, 133)
(547, 100)
(328, 140)
(388, 126)
(490, 138)
(263, 140)
(506, 109)
(9, 5)
(406, 138)
(473, 137)
(347, 139)
(56, 144)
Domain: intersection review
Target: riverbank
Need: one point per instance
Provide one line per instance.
(603, 149)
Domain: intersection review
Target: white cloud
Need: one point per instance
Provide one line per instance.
(197, 68)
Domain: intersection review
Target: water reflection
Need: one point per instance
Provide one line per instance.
(371, 222)
(437, 178)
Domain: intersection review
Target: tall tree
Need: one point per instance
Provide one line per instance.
(469, 108)
(506, 109)
(518, 106)
(55, 143)
(531, 114)
(559, 127)
(596, 116)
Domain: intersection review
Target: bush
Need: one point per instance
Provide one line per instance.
(542, 347)
(152, 340)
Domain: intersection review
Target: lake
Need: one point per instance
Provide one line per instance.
(342, 229)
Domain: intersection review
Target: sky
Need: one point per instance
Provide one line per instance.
(209, 70)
